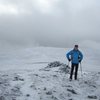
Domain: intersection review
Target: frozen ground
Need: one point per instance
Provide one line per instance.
(26, 75)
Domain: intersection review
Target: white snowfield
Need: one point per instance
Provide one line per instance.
(40, 73)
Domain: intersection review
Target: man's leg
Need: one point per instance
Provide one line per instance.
(76, 71)
(72, 69)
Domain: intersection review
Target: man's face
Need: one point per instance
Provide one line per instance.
(76, 48)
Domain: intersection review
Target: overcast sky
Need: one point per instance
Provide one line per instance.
(59, 23)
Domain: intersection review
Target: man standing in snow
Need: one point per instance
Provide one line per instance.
(75, 56)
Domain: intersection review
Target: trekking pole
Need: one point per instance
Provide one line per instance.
(68, 63)
(81, 69)
(68, 68)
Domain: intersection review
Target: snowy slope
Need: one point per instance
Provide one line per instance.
(26, 58)
(24, 75)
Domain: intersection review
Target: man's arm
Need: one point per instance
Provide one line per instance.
(81, 56)
(68, 55)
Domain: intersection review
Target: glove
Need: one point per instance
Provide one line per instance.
(69, 59)
(79, 61)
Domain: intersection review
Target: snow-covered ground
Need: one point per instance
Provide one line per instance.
(24, 75)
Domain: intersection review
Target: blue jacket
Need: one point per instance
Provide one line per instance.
(75, 56)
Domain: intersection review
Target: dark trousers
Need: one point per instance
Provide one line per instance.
(74, 66)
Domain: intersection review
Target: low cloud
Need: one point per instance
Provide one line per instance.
(59, 23)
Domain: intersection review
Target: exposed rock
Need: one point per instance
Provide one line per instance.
(54, 98)
(45, 88)
(54, 64)
(28, 95)
(62, 67)
(72, 91)
(2, 98)
(49, 93)
(92, 97)
(17, 78)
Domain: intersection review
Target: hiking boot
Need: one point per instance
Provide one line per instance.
(70, 79)
(76, 79)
